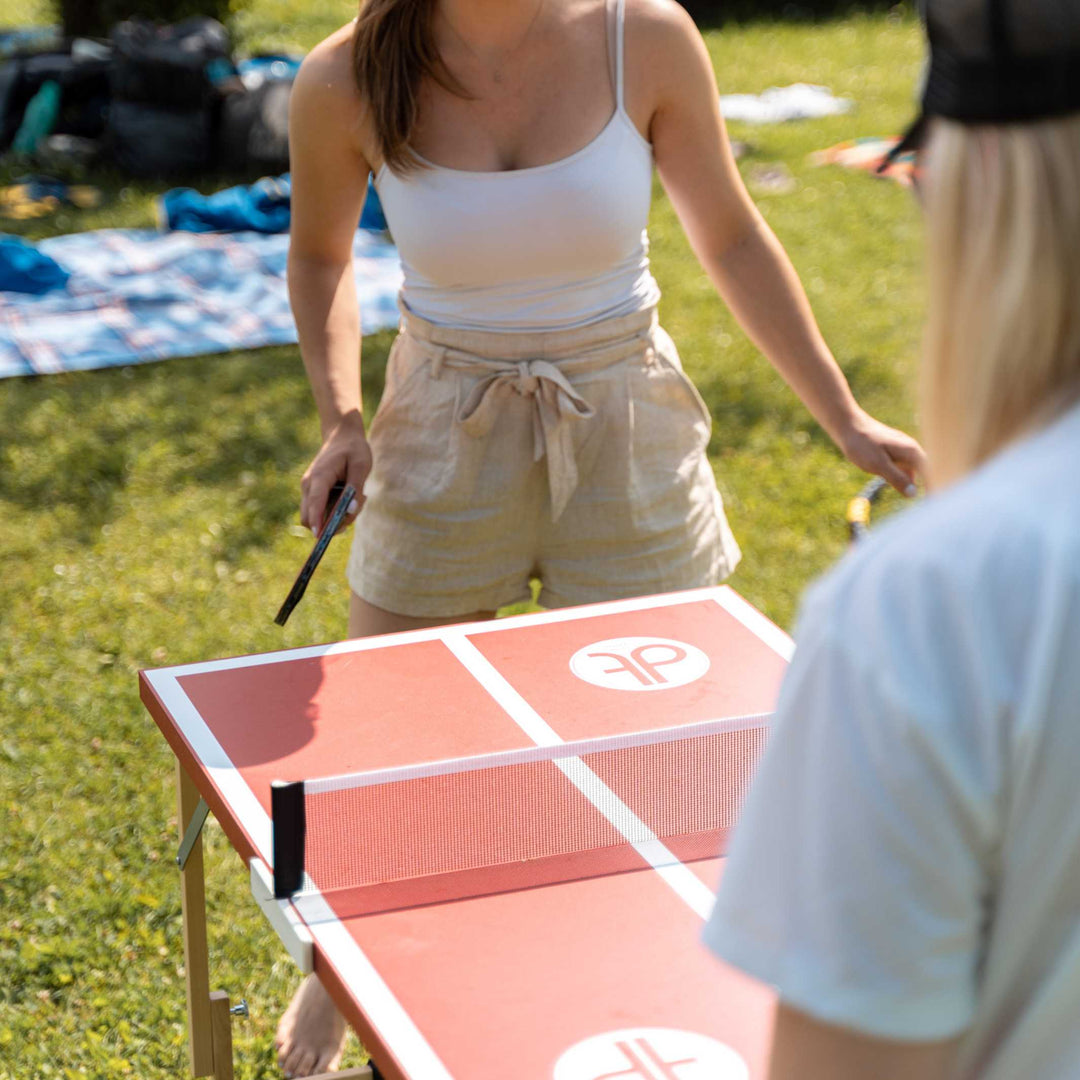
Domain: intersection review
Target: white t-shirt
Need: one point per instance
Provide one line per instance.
(908, 861)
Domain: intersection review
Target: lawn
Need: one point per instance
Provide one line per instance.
(149, 517)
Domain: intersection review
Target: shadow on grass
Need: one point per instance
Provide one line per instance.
(75, 440)
(740, 407)
(741, 403)
(869, 378)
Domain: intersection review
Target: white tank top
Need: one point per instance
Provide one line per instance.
(552, 247)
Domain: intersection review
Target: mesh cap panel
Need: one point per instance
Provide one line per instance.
(1001, 61)
(981, 29)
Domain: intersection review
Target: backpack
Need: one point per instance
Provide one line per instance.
(254, 133)
(181, 67)
(168, 85)
(81, 68)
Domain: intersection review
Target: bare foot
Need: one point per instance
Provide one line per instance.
(311, 1033)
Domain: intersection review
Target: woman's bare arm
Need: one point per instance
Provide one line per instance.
(329, 182)
(807, 1049)
(737, 248)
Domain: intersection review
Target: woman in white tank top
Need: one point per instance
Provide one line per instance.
(536, 420)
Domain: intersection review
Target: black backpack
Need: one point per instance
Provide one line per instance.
(168, 85)
(83, 75)
(254, 132)
(182, 67)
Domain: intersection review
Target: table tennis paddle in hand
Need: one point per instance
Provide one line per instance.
(337, 509)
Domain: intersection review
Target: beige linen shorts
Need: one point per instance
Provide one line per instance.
(575, 456)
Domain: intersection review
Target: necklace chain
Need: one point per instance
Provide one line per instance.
(497, 69)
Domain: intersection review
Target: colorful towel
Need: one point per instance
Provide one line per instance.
(867, 154)
(37, 196)
(138, 295)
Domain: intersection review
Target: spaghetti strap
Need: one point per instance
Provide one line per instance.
(611, 37)
(620, 23)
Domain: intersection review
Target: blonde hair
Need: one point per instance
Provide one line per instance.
(1002, 351)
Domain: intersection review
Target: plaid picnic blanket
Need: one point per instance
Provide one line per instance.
(136, 295)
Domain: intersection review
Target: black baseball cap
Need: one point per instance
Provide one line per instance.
(998, 62)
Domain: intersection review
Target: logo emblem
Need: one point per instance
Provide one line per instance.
(639, 663)
(651, 1054)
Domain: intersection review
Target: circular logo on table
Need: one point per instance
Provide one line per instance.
(639, 663)
(651, 1054)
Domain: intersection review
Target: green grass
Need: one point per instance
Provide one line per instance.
(148, 516)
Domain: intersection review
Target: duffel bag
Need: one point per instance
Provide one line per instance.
(254, 133)
(180, 67)
(146, 141)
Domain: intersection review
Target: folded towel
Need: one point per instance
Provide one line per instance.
(801, 101)
(24, 269)
(260, 207)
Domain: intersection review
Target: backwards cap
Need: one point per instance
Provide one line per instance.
(999, 62)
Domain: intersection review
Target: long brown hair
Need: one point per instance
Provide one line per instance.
(393, 51)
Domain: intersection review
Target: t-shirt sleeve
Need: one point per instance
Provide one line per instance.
(856, 880)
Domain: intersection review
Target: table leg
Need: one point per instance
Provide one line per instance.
(221, 1034)
(209, 1016)
(196, 957)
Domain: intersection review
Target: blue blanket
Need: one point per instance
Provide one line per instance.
(136, 295)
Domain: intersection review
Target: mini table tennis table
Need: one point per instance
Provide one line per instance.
(592, 978)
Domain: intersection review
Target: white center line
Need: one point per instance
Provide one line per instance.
(686, 884)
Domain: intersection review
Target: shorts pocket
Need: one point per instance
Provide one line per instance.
(666, 356)
(403, 366)
(669, 432)
(411, 434)
(671, 422)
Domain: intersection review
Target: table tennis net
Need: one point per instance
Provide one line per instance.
(390, 838)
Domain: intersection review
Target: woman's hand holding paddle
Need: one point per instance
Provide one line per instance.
(344, 455)
(877, 448)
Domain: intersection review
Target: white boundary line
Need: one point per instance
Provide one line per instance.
(212, 757)
(381, 1007)
(436, 633)
(686, 884)
(760, 626)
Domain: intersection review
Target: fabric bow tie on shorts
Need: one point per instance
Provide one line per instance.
(555, 406)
